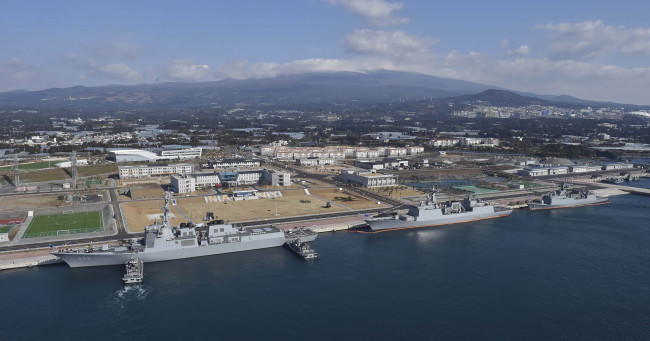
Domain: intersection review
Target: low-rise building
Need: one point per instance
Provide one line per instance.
(584, 168)
(617, 165)
(533, 171)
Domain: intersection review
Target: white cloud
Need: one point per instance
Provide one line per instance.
(377, 12)
(186, 69)
(522, 50)
(590, 39)
(118, 71)
(381, 43)
(113, 50)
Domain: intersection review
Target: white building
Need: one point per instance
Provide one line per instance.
(4, 237)
(147, 171)
(365, 178)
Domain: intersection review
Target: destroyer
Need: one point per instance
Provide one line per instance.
(162, 243)
(431, 213)
(562, 198)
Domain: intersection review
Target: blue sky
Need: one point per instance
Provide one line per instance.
(593, 50)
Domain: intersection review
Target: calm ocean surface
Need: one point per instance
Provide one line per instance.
(571, 274)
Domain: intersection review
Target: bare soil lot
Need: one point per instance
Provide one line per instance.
(29, 202)
(341, 197)
(292, 203)
(136, 213)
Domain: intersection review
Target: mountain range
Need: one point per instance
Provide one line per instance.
(360, 88)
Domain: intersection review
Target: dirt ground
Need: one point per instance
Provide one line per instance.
(246, 210)
(399, 192)
(136, 212)
(356, 203)
(29, 202)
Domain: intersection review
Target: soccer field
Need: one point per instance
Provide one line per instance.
(55, 224)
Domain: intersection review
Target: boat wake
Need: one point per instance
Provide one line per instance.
(119, 300)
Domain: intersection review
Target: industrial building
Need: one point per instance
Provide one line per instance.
(147, 171)
(382, 164)
(138, 155)
(364, 178)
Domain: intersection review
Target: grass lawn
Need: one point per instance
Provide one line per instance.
(475, 189)
(69, 221)
(31, 166)
(5, 229)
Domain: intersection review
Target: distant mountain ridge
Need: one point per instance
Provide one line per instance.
(375, 87)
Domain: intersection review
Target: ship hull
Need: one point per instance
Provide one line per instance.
(77, 260)
(378, 225)
(575, 203)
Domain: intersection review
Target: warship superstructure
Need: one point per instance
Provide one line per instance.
(431, 213)
(563, 198)
(162, 242)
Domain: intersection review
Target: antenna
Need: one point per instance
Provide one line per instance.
(16, 174)
(73, 162)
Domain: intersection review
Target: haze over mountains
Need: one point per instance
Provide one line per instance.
(311, 88)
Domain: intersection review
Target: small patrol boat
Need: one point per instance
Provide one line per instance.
(134, 271)
(302, 249)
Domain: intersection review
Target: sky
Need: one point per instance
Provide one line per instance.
(598, 50)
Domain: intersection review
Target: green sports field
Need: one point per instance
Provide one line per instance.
(31, 166)
(68, 223)
(6, 228)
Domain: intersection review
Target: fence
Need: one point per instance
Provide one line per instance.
(62, 232)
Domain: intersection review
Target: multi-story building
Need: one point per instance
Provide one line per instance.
(444, 142)
(189, 153)
(147, 171)
(185, 183)
(316, 161)
(235, 163)
(277, 178)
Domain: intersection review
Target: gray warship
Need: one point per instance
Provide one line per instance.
(162, 243)
(562, 198)
(430, 213)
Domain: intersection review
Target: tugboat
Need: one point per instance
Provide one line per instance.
(134, 271)
(302, 249)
